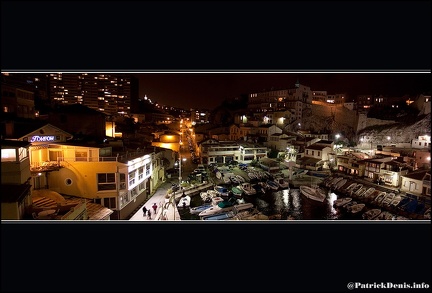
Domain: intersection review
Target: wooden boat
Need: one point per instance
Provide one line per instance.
(384, 215)
(247, 188)
(360, 192)
(356, 188)
(350, 187)
(387, 199)
(342, 201)
(371, 214)
(339, 185)
(357, 208)
(380, 197)
(368, 192)
(314, 193)
(335, 181)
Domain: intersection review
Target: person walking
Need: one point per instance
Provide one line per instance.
(144, 211)
(148, 214)
(154, 206)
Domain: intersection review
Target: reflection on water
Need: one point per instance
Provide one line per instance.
(288, 203)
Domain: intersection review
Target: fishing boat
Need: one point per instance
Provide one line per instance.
(247, 188)
(357, 208)
(342, 201)
(371, 214)
(314, 193)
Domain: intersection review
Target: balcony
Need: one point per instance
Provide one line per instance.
(45, 166)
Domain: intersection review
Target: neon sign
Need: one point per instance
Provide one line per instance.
(42, 138)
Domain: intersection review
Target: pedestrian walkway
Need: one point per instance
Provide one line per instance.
(166, 210)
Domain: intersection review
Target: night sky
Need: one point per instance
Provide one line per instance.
(208, 90)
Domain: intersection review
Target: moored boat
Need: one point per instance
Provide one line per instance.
(199, 209)
(371, 214)
(342, 201)
(387, 199)
(184, 202)
(379, 197)
(357, 208)
(314, 193)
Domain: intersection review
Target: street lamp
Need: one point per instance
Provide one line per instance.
(180, 168)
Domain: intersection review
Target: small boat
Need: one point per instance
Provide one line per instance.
(350, 187)
(184, 202)
(335, 181)
(356, 188)
(360, 192)
(199, 209)
(230, 214)
(342, 201)
(282, 182)
(272, 185)
(388, 199)
(357, 208)
(380, 197)
(216, 200)
(314, 193)
(427, 214)
(218, 175)
(368, 192)
(247, 188)
(371, 214)
(324, 173)
(217, 209)
(396, 200)
(222, 191)
(258, 188)
(237, 192)
(385, 216)
(348, 205)
(340, 184)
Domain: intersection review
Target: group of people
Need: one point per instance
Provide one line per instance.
(148, 213)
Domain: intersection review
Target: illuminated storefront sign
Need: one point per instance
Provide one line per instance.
(36, 138)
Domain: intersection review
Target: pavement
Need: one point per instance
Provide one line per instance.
(166, 207)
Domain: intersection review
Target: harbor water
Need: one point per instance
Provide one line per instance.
(285, 204)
